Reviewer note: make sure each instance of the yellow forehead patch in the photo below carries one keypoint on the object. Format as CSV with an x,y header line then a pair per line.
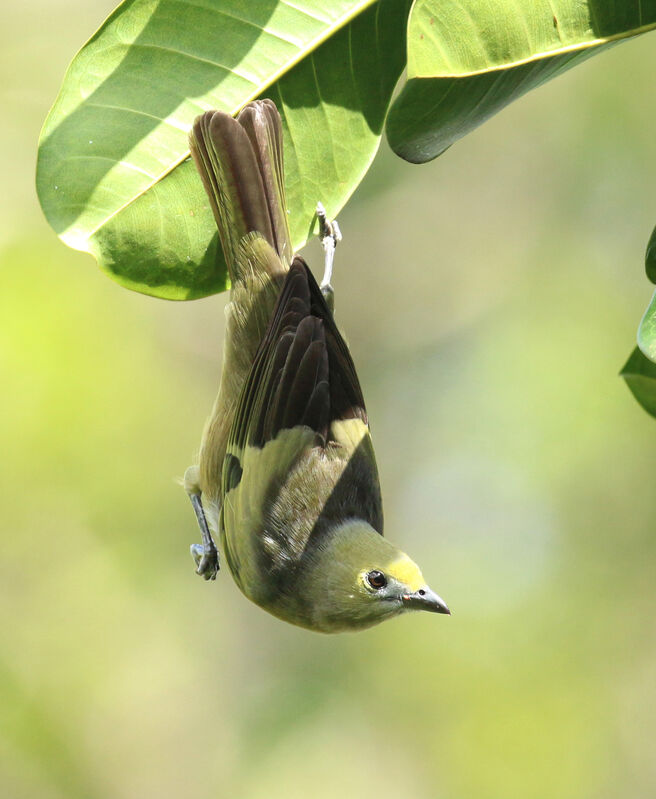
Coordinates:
x,y
407,572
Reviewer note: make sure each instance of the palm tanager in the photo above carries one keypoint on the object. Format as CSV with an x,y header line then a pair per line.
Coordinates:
x,y
286,473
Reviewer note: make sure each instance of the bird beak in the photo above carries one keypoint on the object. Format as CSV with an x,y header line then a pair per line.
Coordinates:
x,y
425,599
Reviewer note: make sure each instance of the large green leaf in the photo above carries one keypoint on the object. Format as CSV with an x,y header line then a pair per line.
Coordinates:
x,y
114,176
640,375
467,59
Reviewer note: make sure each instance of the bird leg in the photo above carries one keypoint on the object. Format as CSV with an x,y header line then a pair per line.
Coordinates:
x,y
205,555
330,234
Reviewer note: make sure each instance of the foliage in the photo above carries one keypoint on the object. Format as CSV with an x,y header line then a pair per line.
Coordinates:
x,y
114,175
640,375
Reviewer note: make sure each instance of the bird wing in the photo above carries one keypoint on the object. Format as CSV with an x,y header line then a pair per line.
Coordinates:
x,y
303,373
301,406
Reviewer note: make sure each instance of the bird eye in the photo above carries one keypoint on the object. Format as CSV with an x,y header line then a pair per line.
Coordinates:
x,y
376,579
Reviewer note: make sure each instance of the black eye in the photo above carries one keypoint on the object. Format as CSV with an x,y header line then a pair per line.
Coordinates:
x,y
376,579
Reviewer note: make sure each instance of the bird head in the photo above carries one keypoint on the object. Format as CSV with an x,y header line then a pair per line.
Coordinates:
x,y
358,579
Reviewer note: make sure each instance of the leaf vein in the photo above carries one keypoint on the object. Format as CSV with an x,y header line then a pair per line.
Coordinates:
x,y
193,57
263,28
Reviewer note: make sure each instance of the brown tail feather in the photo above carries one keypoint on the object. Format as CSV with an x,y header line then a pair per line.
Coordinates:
x,y
240,162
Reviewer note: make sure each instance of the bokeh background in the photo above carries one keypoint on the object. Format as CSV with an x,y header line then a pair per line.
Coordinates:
x,y
490,299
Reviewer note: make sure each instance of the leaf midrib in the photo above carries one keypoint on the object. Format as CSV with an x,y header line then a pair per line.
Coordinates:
x,y
542,55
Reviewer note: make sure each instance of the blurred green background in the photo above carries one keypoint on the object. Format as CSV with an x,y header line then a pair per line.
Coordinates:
x,y
490,299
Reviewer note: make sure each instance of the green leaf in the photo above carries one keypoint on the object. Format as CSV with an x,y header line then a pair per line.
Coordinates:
x,y
640,375
114,176
467,59
650,257
647,331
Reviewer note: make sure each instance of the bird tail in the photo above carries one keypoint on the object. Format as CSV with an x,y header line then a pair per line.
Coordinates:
x,y
240,162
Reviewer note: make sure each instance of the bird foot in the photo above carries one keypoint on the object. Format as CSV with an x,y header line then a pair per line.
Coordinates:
x,y
329,234
206,560
205,555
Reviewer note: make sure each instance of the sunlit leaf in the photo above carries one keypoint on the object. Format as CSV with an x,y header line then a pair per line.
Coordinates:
x,y
114,177
467,59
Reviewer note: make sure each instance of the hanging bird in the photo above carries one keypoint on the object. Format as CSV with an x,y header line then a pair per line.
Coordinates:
x,y
286,474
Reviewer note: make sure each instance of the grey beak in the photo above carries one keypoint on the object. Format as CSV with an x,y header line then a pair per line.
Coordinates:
x,y
425,599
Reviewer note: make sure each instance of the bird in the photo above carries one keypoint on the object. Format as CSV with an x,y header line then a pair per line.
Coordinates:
x,y
286,474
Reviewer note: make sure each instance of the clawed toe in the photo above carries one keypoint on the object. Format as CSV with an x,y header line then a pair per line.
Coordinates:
x,y
207,561
329,235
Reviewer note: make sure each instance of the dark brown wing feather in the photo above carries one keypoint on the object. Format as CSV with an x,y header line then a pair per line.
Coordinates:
x,y
302,376
303,373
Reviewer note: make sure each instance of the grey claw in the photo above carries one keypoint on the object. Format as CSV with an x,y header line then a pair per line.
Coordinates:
x,y
329,235
207,563
327,229
197,552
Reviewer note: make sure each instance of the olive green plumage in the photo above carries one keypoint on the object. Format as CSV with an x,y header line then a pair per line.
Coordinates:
x,y
286,474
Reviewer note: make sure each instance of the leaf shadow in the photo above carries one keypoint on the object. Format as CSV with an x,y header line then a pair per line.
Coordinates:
x,y
151,81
